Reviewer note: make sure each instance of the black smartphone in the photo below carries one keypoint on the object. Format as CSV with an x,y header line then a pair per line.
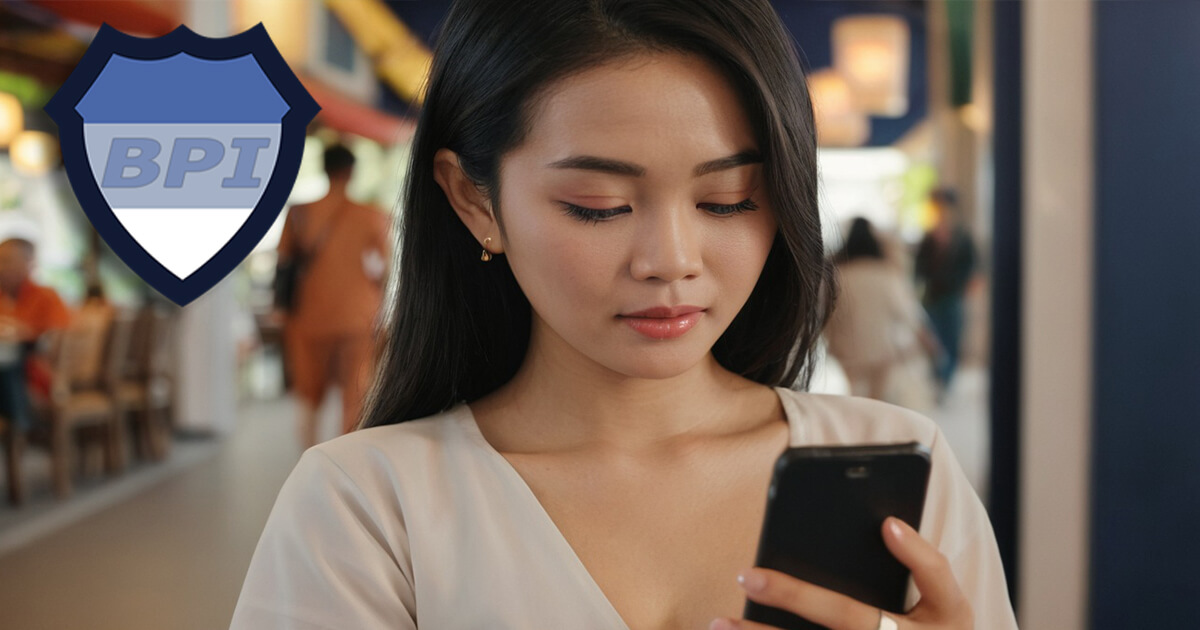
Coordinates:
x,y
824,522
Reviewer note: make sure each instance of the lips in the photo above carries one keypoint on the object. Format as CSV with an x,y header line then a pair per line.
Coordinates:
x,y
664,312
663,322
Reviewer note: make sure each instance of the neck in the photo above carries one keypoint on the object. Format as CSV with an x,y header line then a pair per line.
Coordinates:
x,y
337,190
561,400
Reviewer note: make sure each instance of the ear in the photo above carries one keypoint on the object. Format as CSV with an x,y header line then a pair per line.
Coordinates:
x,y
471,205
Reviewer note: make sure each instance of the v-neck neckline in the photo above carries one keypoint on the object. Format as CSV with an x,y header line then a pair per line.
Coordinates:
x,y
552,534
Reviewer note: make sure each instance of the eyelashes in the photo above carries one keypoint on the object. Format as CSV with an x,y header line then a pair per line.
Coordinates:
x,y
594,215
745,205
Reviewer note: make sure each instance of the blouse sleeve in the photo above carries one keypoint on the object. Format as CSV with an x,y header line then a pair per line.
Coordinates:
x,y
957,523
326,560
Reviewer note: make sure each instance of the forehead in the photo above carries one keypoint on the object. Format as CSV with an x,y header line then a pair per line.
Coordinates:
x,y
654,107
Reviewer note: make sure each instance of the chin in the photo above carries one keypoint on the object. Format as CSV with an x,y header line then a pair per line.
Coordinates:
x,y
656,363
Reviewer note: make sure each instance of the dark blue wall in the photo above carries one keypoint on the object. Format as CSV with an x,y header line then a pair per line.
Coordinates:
x,y
1004,403
1146,450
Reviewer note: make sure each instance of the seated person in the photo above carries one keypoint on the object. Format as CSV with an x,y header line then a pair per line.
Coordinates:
x,y
27,312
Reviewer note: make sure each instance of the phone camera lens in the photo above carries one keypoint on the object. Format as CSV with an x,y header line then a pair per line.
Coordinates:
x,y
858,472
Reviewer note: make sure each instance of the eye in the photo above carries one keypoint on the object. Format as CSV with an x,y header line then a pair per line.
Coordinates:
x,y
593,215
745,205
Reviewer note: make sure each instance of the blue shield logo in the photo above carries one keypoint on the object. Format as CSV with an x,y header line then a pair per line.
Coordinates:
x,y
182,149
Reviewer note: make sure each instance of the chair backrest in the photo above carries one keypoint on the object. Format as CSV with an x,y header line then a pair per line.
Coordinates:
x,y
159,360
157,352
84,347
120,340
140,341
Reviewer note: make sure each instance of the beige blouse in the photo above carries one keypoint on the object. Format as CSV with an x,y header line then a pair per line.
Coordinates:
x,y
424,524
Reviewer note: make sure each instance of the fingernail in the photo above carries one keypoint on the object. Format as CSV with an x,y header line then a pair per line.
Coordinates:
x,y
722,624
752,580
894,526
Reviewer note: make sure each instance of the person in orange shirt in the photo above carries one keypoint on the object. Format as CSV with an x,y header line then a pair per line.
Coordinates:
x,y
27,312
329,329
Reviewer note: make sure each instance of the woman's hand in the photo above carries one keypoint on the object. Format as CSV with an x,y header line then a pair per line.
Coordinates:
x,y
943,605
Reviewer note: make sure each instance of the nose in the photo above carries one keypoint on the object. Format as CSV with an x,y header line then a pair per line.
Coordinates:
x,y
667,246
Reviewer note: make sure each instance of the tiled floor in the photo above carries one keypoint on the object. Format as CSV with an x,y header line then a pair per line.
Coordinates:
x,y
170,558
169,551
43,513
963,418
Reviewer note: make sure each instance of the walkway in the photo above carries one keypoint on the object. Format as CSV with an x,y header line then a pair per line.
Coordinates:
x,y
170,558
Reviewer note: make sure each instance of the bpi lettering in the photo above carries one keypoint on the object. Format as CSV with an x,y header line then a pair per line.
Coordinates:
x,y
188,155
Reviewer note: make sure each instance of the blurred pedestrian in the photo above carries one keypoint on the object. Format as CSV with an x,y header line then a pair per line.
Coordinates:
x,y
878,330
339,247
946,261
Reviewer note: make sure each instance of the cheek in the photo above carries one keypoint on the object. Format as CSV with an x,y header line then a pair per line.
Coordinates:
x,y
558,265
739,254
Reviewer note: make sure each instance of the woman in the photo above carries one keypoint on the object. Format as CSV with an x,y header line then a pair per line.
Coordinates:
x,y
612,270
878,328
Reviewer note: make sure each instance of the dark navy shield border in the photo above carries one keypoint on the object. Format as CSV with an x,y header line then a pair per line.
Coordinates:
x,y
302,109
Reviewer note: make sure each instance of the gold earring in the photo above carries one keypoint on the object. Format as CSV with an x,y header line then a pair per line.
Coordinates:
x,y
486,255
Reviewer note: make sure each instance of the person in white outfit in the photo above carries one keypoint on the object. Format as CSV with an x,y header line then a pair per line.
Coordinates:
x,y
878,330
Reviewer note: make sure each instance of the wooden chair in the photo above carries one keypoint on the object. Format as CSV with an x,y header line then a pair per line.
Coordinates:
x,y
80,403
116,366
14,447
142,380
12,438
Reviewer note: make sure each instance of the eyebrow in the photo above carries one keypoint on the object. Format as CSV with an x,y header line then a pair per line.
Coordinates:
x,y
628,169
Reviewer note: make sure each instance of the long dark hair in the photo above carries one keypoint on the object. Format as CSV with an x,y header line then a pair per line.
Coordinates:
x,y
459,328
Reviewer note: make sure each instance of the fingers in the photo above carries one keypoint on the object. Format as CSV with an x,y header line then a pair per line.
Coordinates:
x,y
930,570
942,601
818,605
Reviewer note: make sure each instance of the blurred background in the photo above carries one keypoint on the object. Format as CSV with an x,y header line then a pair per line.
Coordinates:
x,y
1008,188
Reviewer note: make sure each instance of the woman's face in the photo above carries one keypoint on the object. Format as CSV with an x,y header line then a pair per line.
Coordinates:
x,y
635,215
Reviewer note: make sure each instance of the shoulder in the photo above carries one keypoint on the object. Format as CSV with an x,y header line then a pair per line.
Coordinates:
x,y
397,460
46,296
367,217
421,476
45,292
954,519
833,419
297,210
384,468
383,480
368,211
393,444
